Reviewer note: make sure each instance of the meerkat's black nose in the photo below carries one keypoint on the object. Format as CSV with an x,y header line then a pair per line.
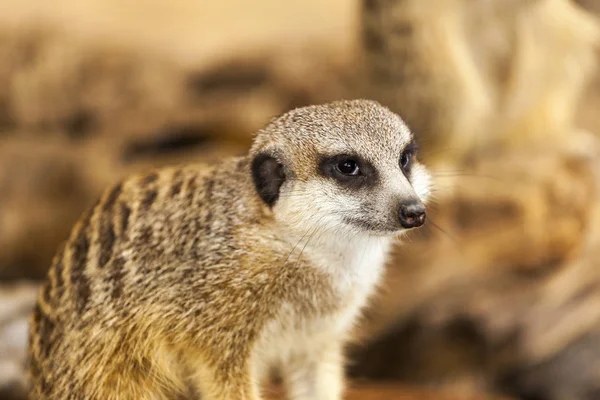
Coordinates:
x,y
412,215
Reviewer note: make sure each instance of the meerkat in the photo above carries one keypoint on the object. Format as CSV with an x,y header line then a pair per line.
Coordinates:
x,y
196,281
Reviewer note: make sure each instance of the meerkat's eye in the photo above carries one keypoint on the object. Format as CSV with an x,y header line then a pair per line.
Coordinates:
x,y
348,170
407,157
348,167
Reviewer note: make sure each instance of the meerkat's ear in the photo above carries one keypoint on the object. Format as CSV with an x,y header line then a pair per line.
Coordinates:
x,y
268,176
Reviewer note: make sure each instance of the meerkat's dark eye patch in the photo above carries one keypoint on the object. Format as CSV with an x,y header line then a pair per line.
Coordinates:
x,y
268,176
349,170
407,157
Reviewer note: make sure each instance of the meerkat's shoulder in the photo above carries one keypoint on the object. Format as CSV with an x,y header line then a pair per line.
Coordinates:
x,y
136,207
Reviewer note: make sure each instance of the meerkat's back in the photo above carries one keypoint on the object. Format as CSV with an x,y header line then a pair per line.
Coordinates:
x,y
114,282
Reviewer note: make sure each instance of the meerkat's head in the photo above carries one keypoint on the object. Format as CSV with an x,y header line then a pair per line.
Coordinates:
x,y
346,166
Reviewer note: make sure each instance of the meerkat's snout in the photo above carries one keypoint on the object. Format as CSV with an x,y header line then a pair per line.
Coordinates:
x,y
412,214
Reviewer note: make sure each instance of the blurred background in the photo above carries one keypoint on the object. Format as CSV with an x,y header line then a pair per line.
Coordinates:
x,y
498,295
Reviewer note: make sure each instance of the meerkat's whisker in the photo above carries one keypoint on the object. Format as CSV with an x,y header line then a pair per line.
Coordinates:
x,y
443,231
467,175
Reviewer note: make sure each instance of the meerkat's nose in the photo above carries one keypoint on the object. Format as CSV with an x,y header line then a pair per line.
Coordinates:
x,y
412,214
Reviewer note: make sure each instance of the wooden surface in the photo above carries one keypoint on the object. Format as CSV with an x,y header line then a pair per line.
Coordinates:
x,y
399,392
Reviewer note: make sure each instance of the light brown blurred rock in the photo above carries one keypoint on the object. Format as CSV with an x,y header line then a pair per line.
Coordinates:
x,y
76,86
474,75
592,5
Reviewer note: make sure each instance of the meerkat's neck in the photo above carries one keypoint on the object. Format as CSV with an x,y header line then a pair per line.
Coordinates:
x,y
352,261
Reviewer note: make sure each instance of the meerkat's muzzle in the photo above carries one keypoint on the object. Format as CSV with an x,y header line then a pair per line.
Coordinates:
x,y
412,214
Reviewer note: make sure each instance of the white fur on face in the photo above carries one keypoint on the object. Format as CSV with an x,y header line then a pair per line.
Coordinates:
x,y
321,205
314,205
421,182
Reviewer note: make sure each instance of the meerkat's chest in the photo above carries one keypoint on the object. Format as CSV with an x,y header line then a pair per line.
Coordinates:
x,y
355,266
354,271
